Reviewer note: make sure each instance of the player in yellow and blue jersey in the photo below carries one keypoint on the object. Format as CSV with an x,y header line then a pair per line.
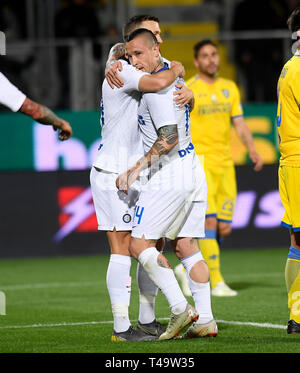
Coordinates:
x,y
217,105
288,122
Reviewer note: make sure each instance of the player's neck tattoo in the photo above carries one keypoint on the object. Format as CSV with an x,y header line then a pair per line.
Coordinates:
x,y
160,64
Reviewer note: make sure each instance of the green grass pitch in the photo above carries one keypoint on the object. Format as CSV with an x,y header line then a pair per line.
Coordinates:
x,y
62,305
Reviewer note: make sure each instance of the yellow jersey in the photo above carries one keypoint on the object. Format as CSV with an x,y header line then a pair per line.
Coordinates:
x,y
215,105
288,112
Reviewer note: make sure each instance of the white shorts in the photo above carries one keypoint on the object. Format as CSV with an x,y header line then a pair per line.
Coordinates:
x,y
114,209
173,202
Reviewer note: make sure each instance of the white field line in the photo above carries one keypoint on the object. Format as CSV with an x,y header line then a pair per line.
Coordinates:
x,y
259,325
87,323
50,285
92,283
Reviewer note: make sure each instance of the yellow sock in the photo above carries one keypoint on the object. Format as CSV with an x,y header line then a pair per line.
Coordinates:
x,y
292,278
211,253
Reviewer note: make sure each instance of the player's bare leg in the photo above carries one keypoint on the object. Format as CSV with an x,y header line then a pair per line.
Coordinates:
x,y
147,322
211,252
197,274
119,242
161,273
118,282
119,287
292,278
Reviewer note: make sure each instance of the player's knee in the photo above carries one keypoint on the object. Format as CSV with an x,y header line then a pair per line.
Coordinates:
x,y
199,272
184,247
177,247
196,268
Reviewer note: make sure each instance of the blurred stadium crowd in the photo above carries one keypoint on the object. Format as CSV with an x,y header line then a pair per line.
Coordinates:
x,y
56,49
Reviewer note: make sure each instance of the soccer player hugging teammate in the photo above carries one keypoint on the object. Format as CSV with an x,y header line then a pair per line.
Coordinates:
x,y
182,95
121,146
123,114
288,121
172,202
217,104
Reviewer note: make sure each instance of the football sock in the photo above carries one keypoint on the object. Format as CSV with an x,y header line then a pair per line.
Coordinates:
x,y
118,282
292,279
200,291
147,292
211,252
164,278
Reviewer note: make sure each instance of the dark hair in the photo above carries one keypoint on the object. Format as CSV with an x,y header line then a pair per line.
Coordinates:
x,y
202,44
135,23
293,21
141,31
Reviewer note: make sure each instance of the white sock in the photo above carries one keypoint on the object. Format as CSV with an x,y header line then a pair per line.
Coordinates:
x,y
148,292
200,291
164,278
118,282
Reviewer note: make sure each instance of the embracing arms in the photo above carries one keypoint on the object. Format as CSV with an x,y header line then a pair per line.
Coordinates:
x,y
149,83
167,139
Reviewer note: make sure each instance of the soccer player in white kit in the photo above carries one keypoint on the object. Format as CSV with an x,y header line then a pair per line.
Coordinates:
x,y
147,289
16,100
172,203
120,147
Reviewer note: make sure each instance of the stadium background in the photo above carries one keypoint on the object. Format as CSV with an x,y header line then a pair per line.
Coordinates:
x,y
46,205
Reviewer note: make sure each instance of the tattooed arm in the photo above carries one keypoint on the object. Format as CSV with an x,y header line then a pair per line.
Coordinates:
x,y
113,65
166,141
44,115
116,52
245,135
148,83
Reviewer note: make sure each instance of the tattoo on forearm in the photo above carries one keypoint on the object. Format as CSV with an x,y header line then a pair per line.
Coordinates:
x,y
109,64
40,113
116,52
167,138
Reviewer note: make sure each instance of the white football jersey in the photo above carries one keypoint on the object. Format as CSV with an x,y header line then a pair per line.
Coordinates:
x,y
121,143
10,95
157,110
